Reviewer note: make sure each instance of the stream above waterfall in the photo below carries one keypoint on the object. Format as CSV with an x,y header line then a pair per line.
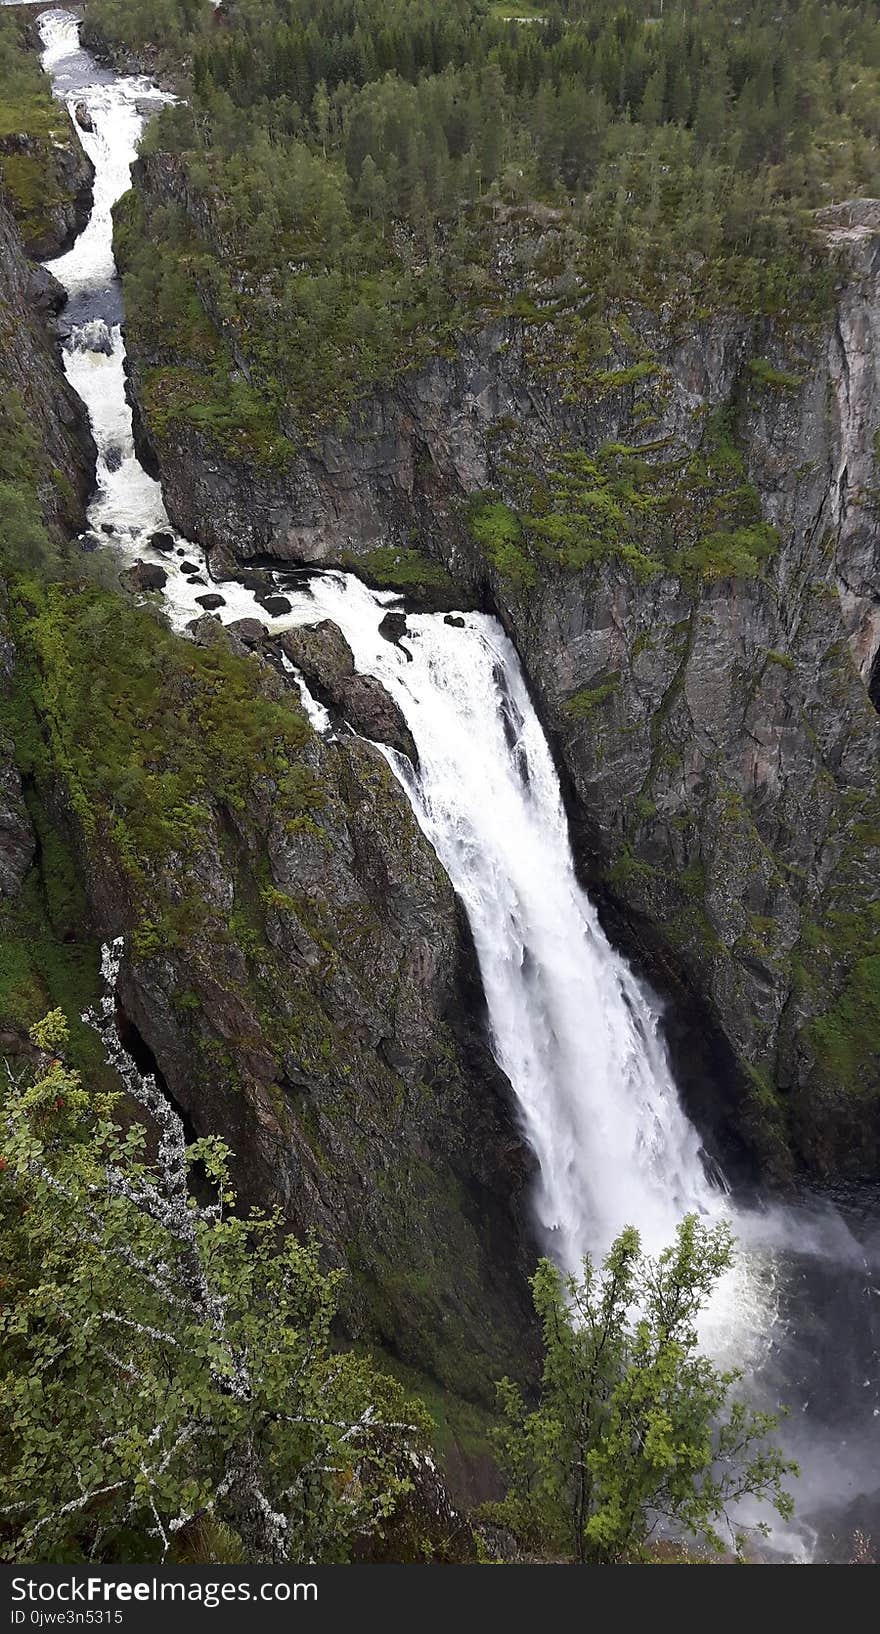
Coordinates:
x,y
579,1037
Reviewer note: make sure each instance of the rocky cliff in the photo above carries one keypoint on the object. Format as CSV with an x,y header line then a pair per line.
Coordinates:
x,y
45,176
48,188
296,965
681,536
47,462
43,430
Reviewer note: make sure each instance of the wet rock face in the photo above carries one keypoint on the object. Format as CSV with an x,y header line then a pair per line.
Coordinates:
x,y
323,655
16,835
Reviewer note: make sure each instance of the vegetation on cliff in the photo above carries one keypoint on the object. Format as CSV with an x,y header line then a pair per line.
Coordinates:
x,y
650,506
169,1387
602,228
38,151
355,182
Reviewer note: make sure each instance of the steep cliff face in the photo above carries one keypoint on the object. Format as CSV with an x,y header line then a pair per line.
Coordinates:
x,y
16,834
682,539
48,188
45,436
295,964
47,462
45,177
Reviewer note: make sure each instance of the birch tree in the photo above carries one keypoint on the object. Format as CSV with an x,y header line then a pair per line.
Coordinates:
x,y
165,1361
636,1434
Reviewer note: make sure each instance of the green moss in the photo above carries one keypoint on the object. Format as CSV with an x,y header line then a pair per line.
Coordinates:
x,y
34,495
783,659
49,955
498,531
627,870
737,554
605,380
392,569
227,410
838,963
581,705
766,373
146,733
460,1426
693,514
847,1037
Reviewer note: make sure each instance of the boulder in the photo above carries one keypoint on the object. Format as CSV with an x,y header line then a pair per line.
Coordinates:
x,y
162,541
146,576
189,567
248,630
205,629
83,117
274,605
392,627
211,601
322,654
225,566
44,291
371,710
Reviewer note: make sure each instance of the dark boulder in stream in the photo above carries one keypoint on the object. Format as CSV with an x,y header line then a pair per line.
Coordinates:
x,y
146,576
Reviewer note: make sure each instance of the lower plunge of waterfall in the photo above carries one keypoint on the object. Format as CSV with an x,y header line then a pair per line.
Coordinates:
x,y
578,1036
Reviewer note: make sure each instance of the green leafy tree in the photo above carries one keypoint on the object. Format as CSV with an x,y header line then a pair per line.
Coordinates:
x,y
635,1430
166,1363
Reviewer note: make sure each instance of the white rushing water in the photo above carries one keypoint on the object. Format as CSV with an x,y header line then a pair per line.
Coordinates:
x,y
578,1037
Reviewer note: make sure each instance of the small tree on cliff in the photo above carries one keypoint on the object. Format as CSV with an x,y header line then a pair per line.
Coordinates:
x,y
164,1361
634,1429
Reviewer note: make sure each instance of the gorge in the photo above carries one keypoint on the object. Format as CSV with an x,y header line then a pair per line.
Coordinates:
x,y
481,774
576,1034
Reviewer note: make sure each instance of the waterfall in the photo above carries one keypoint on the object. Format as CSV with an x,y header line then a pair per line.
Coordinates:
x,y
578,1037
